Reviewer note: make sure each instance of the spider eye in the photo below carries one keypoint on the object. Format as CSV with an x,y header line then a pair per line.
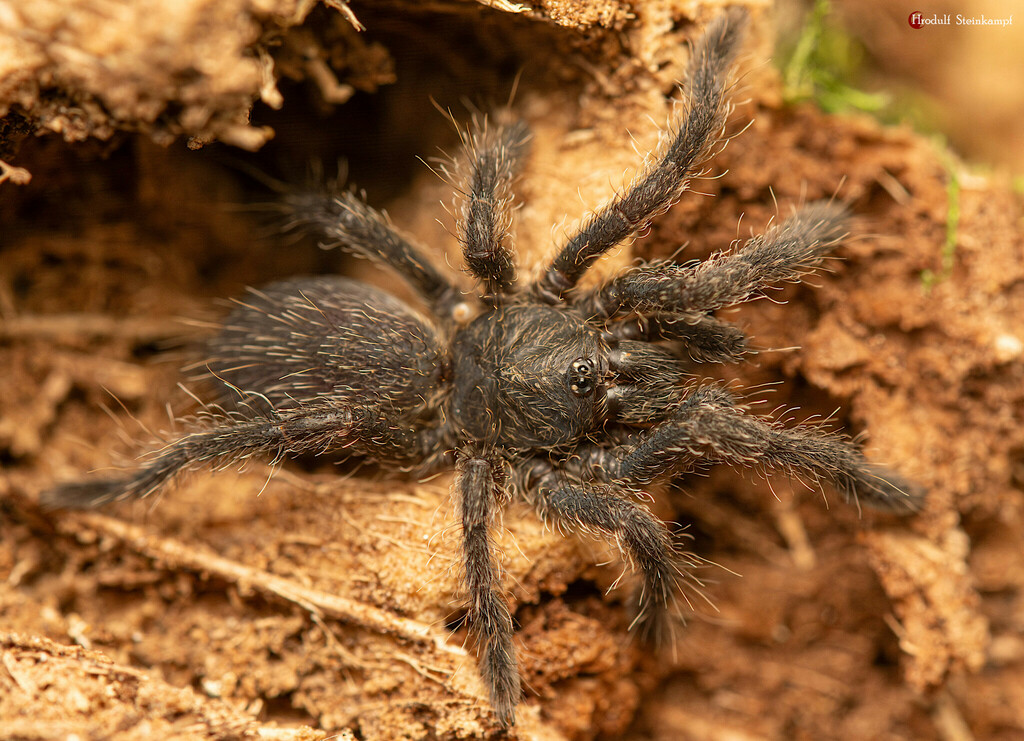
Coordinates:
x,y
580,377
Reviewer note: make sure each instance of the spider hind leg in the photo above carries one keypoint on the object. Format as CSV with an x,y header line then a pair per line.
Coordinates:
x,y
232,438
493,153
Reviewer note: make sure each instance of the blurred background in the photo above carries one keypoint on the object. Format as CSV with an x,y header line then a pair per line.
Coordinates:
x,y
962,82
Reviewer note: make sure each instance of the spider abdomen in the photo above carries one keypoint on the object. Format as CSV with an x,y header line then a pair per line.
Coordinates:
x,y
303,338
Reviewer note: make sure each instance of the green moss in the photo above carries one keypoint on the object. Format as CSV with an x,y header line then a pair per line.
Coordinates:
x,y
821,64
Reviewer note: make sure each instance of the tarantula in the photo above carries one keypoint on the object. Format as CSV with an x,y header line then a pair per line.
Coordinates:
x,y
570,398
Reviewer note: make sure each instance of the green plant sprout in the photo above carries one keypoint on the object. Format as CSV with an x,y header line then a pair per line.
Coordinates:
x,y
822,61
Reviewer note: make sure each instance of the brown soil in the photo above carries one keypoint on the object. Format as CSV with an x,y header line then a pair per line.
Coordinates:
x,y
321,601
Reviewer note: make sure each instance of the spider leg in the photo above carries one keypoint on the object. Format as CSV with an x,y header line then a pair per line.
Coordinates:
x,y
232,438
347,221
489,618
707,426
783,253
644,539
692,142
493,154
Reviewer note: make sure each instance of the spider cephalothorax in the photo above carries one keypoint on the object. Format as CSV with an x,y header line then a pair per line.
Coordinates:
x,y
568,398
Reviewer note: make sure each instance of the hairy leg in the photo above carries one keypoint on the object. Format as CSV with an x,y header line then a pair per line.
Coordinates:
x,y
692,142
707,426
347,221
489,617
493,154
225,439
644,540
783,253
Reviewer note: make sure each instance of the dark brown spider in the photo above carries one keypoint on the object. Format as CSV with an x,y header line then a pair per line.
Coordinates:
x,y
572,399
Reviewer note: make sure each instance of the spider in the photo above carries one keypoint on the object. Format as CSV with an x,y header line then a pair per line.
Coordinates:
x,y
571,399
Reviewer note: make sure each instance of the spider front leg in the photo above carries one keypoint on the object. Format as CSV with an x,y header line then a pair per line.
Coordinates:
x,y
232,438
785,252
644,540
690,144
709,427
478,490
